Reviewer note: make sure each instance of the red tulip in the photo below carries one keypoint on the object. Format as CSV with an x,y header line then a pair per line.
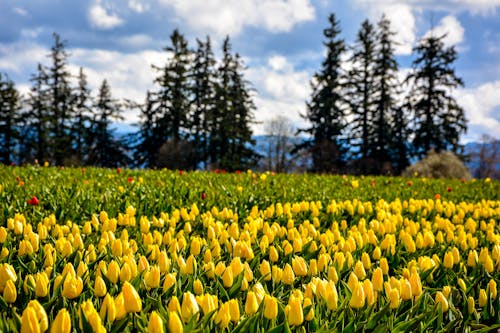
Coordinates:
x,y
118,170
130,179
203,196
449,189
33,201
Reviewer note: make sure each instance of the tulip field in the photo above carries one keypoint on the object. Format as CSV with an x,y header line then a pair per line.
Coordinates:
x,y
101,250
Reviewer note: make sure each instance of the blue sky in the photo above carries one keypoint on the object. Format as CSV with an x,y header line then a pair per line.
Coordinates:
x,y
280,41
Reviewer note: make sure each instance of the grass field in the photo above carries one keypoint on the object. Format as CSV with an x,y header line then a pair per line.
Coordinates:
x,y
133,250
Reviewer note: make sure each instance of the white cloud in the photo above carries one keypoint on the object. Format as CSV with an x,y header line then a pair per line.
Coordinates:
x,y
137,6
136,41
281,90
450,27
21,57
20,11
482,108
223,17
100,18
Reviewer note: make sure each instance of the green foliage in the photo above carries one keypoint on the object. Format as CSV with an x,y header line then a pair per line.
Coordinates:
x,y
439,165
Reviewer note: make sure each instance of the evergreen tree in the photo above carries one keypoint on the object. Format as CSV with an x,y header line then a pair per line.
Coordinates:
x,y
229,124
386,87
146,146
361,96
106,150
9,116
61,103
439,120
35,139
81,131
326,110
203,99
171,103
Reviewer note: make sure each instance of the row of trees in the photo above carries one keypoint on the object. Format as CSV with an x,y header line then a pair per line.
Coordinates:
x,y
360,119
200,111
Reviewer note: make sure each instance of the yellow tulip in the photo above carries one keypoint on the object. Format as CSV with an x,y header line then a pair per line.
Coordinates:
x,y
471,304
461,284
155,323
492,288
227,277
293,311
358,297
368,289
10,292
416,284
100,288
223,316
125,272
152,277
234,310
270,307
310,313
108,309
448,260
299,266
483,298
7,272
288,276
197,287
174,322
113,272
394,298
62,322
378,279
352,282
121,311
365,259
265,270
442,301
133,302
170,280
406,290
72,286
189,306
34,318
29,321
273,254
251,304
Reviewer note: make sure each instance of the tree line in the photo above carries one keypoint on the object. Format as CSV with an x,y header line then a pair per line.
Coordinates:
x,y
200,111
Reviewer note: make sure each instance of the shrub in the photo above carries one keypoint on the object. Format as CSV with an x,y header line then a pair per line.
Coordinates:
x,y
439,165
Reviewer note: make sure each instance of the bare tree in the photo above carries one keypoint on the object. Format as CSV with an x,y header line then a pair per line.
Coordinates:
x,y
279,143
487,158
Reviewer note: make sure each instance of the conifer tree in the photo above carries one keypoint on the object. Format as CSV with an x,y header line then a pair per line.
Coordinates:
x,y
386,87
9,117
361,96
438,119
146,146
81,131
107,151
203,99
327,108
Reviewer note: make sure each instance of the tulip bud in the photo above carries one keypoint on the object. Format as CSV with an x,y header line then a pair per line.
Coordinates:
x,y
441,301
108,309
352,281
472,258
234,310
358,297
310,313
227,277
406,291
273,254
10,292
293,312
174,305
133,302
223,316
100,288
113,272
152,277
299,266
62,322
42,285
483,298
155,323
471,304
288,276
170,280
492,288
7,273
378,279
72,286
448,260
251,304
384,265
174,322
416,284
189,306
265,270
270,307
197,287
461,284
394,298
368,289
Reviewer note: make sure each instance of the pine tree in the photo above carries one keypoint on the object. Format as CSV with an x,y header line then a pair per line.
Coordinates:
x,y
439,120
61,103
146,146
203,99
361,96
107,151
327,108
81,132
35,137
229,123
386,87
171,104
9,116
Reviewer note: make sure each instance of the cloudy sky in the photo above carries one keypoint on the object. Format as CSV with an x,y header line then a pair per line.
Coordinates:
x,y
280,41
